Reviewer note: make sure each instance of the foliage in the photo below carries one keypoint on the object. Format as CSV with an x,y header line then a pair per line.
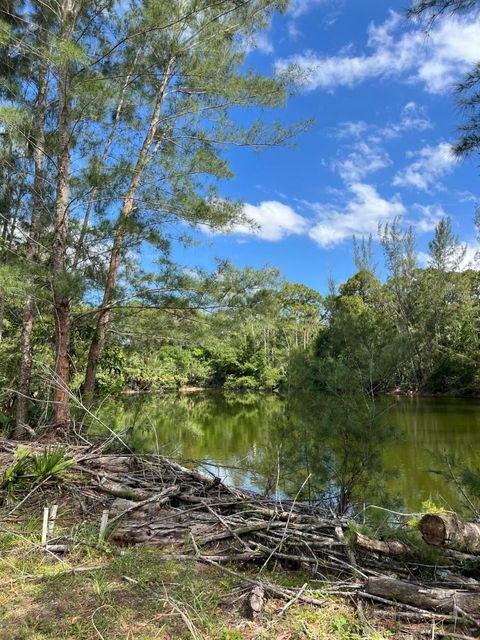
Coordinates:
x,y
164,84
51,462
16,470
30,469
428,506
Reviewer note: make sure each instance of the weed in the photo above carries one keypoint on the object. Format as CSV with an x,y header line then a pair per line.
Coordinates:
x,y
28,470
16,471
50,463
427,507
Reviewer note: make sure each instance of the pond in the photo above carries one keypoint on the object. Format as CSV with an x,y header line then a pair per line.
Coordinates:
x,y
392,449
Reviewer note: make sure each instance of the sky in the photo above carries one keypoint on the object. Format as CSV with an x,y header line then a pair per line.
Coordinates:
x,y
381,93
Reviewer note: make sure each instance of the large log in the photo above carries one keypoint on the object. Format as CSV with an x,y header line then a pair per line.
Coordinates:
x,y
446,601
446,530
386,547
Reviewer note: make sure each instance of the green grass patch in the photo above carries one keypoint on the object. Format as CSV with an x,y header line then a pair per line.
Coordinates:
x,y
143,595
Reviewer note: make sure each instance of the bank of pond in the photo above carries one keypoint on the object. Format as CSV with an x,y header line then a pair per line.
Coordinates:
x,y
392,451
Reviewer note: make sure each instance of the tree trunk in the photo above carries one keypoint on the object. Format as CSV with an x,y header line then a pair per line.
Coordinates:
x,y
445,530
2,315
59,253
26,355
104,156
127,208
439,600
6,216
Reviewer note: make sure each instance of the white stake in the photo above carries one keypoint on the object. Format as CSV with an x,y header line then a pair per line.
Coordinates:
x,y
45,525
51,521
103,525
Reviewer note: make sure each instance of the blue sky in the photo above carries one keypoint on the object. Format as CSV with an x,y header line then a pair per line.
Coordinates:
x,y
381,95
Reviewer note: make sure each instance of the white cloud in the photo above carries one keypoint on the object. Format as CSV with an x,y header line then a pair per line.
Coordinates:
x,y
361,161
436,61
298,8
430,216
263,43
430,164
348,130
468,196
270,220
469,259
293,31
360,216
413,117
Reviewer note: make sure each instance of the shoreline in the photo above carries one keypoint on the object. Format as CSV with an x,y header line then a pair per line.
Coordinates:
x,y
190,517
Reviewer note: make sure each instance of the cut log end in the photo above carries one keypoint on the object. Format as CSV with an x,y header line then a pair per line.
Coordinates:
x,y
446,530
256,602
434,529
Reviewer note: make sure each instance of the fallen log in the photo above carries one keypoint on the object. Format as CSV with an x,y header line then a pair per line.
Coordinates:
x,y
449,601
446,530
123,491
387,547
123,507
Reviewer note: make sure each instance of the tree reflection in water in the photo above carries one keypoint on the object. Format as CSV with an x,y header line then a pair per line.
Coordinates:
x,y
330,446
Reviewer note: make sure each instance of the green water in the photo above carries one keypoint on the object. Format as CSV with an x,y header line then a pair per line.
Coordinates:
x,y
271,443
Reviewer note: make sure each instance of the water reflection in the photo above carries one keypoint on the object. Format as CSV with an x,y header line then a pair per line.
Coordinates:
x,y
345,449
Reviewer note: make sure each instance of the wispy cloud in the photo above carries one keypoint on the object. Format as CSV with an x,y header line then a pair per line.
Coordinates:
x,y
298,8
361,215
429,164
430,216
437,62
363,160
413,117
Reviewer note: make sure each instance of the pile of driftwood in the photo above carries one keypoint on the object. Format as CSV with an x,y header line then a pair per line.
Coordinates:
x,y
153,500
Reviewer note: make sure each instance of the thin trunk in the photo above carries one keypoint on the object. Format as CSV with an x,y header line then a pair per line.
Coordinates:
x,y
126,210
26,355
106,149
59,253
2,315
6,218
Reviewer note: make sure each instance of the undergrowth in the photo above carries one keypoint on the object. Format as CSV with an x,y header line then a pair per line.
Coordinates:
x,y
143,595
30,469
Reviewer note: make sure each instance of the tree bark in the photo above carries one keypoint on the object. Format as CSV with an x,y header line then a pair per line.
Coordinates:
x,y
104,156
26,355
59,254
439,600
8,221
445,530
115,255
386,547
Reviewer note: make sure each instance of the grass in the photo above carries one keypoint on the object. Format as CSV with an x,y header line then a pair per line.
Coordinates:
x,y
164,599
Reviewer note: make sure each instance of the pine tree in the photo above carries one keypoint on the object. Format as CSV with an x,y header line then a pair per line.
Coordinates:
x,y
33,229
445,249
196,82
